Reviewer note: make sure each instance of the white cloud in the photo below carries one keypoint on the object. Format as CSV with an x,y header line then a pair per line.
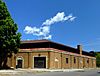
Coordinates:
x,y
58,18
48,37
46,29
43,32
30,30
70,17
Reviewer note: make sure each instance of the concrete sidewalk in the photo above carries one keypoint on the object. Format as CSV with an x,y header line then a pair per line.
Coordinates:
x,y
40,70
51,70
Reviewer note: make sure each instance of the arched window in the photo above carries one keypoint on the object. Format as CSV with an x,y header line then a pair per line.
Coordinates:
x,y
19,62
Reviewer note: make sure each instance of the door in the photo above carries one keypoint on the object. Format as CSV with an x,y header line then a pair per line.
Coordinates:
x,y
19,63
39,62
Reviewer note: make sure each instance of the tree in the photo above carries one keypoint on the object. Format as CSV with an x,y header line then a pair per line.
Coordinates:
x,y
92,53
9,37
97,55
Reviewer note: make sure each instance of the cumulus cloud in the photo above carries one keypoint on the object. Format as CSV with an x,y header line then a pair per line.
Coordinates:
x,y
48,37
58,18
43,32
31,30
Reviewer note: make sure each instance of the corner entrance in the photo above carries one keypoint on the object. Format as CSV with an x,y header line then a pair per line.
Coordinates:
x,y
39,62
19,62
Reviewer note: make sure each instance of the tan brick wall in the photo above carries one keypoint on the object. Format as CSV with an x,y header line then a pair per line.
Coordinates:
x,y
90,63
64,64
80,61
72,64
94,63
29,58
75,65
25,59
86,63
51,60
58,63
71,61
54,60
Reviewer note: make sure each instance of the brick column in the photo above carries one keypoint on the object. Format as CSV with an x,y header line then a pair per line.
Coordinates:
x,y
30,60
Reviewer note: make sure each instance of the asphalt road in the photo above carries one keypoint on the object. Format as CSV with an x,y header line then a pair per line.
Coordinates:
x,y
80,73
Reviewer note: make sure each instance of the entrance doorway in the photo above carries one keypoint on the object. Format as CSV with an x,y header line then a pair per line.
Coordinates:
x,y
39,62
19,62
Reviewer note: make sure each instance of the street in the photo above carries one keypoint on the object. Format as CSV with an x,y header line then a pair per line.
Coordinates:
x,y
19,72
80,73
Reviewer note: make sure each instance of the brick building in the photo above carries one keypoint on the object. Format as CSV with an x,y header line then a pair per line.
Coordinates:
x,y
51,55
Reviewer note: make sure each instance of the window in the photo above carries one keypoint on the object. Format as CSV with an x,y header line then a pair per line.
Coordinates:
x,y
87,61
67,60
74,60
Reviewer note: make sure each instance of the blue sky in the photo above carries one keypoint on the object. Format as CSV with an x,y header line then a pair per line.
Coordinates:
x,y
84,28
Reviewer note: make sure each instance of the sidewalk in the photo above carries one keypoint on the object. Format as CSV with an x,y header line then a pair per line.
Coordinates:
x,y
51,70
39,70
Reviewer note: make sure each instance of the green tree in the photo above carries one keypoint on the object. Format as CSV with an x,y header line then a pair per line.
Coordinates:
x,y
97,55
9,37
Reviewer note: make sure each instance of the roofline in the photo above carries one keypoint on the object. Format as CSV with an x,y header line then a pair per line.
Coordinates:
x,y
45,40
34,41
